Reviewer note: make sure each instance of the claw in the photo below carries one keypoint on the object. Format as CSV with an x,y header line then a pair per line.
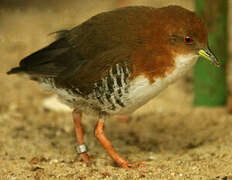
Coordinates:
x,y
126,164
84,156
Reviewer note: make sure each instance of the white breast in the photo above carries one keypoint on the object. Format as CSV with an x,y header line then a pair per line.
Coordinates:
x,y
141,91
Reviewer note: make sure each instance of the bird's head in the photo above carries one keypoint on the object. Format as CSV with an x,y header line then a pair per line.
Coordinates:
x,y
172,38
186,33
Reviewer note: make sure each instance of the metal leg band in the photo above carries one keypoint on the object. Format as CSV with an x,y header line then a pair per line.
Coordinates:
x,y
81,148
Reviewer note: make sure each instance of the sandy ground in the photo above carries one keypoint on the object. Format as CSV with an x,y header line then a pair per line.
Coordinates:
x,y
171,138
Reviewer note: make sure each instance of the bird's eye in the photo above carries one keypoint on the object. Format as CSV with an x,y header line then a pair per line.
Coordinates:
x,y
188,40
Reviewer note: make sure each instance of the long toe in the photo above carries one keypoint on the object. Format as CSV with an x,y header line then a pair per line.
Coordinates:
x,y
135,165
84,156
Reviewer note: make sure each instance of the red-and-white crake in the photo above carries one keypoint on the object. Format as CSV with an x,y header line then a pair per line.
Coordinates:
x,y
117,61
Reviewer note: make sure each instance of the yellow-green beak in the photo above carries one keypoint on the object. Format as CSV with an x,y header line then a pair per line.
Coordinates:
x,y
207,54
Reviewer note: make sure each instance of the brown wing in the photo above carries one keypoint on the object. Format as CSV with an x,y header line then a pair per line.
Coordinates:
x,y
84,54
88,72
49,61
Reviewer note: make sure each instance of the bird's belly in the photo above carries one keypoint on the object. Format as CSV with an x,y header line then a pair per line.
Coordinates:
x,y
141,91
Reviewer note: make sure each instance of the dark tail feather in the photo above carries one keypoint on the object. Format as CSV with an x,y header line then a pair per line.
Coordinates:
x,y
60,34
15,70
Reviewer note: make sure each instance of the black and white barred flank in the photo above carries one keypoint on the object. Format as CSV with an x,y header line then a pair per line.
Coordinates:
x,y
109,93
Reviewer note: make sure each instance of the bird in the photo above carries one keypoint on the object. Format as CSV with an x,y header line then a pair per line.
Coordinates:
x,y
116,61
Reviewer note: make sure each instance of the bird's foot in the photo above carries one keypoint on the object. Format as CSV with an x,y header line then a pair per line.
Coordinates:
x,y
84,156
126,164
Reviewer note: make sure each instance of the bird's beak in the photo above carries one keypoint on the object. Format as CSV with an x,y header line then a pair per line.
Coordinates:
x,y
207,54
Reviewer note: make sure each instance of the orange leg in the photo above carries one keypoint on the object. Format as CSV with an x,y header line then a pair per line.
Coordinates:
x,y
99,133
81,148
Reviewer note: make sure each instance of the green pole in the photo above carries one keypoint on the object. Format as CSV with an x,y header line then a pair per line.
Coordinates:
x,y
210,81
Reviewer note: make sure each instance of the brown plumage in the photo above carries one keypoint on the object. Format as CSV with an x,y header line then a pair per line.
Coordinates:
x,y
112,37
118,60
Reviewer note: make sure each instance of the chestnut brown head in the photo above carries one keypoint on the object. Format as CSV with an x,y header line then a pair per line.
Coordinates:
x,y
182,32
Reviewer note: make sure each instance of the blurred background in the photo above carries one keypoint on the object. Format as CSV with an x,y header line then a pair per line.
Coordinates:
x,y
24,121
